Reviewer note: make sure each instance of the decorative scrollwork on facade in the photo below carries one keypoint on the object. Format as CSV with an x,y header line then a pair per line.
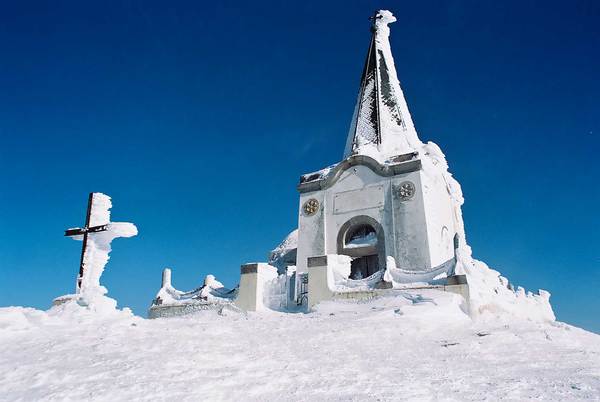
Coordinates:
x,y
311,207
405,190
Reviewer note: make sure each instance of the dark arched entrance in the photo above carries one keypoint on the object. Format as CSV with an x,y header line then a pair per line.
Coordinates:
x,y
362,238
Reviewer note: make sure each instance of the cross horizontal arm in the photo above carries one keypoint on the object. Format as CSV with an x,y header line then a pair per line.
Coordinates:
x,y
99,228
74,232
82,231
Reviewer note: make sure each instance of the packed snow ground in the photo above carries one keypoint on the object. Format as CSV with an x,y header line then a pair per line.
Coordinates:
x,y
419,346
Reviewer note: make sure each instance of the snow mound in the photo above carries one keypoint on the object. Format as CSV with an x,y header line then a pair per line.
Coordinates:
x,y
418,345
427,308
490,293
493,296
98,307
20,318
16,319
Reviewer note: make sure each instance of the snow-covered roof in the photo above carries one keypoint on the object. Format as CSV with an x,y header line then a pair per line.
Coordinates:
x,y
381,126
285,253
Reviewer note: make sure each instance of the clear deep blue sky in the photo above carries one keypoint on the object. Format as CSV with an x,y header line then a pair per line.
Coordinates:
x,y
199,118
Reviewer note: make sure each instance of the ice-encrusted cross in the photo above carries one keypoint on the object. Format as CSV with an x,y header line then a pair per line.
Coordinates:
x,y
97,234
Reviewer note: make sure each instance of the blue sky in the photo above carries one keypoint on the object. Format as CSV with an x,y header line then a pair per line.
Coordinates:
x,y
198,119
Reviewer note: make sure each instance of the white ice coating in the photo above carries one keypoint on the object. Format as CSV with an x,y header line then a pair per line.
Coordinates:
x,y
98,248
398,134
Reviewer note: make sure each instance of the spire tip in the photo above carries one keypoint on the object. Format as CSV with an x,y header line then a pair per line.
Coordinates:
x,y
382,17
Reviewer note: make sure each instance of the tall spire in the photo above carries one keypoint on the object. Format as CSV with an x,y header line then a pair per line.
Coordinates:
x,y
381,125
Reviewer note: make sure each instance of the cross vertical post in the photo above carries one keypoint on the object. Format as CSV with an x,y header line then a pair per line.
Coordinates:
x,y
85,231
85,238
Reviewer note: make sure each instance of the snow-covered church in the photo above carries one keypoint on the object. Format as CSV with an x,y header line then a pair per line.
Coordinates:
x,y
386,218
381,200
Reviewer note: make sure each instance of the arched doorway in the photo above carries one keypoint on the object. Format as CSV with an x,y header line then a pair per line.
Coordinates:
x,y
362,239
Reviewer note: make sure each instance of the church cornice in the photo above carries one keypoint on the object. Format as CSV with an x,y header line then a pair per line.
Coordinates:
x,y
326,178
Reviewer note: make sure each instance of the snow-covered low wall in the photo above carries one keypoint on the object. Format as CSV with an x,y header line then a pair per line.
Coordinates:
x,y
328,279
174,310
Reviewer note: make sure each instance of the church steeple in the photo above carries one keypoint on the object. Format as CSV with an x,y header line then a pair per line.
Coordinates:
x,y
381,125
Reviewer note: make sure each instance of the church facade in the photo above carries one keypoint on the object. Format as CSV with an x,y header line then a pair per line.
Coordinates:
x,y
369,210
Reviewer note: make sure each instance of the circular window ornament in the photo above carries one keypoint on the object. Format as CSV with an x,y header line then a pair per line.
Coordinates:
x,y
406,190
311,207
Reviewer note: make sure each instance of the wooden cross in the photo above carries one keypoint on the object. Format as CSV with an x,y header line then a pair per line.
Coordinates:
x,y
85,231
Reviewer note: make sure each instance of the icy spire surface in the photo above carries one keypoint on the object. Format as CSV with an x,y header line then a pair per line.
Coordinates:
x,y
381,125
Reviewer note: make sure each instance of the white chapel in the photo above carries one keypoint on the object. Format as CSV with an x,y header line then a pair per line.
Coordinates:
x,y
385,217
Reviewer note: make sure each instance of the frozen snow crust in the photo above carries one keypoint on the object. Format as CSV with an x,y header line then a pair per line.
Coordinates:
x,y
414,346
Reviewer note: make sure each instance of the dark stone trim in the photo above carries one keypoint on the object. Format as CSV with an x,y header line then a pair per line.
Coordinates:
x,y
382,170
317,261
249,268
457,280
362,251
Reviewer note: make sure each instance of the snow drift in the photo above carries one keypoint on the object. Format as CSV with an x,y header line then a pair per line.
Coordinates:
x,y
414,346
